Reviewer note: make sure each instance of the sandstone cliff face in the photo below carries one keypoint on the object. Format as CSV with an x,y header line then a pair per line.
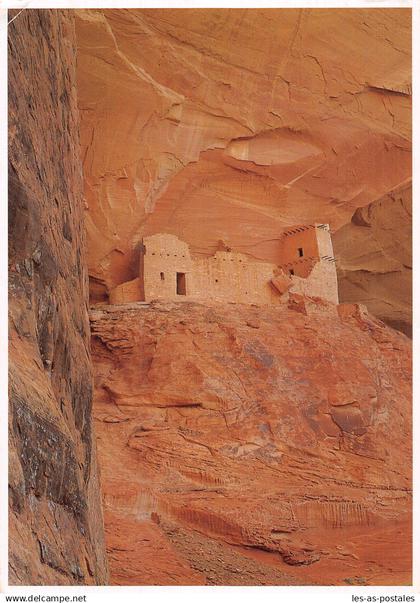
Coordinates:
x,y
238,444
233,124
375,258
56,526
253,445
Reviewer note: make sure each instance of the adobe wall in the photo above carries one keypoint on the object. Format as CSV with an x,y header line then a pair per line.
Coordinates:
x,y
304,237
324,241
166,254
226,276
230,276
315,272
126,292
321,282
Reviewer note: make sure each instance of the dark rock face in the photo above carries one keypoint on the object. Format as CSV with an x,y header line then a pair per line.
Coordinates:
x,y
56,533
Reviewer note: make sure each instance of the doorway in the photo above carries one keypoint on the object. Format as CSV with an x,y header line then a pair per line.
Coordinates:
x,y
181,283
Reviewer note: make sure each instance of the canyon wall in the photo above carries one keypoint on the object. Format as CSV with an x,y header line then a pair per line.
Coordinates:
x,y
375,251
253,445
238,444
55,518
234,124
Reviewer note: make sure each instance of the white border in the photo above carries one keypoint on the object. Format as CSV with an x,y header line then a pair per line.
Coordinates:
x,y
3,304
208,3
184,594
416,294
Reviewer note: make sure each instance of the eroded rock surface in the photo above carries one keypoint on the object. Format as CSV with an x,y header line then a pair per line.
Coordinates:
x,y
234,124
56,525
253,445
375,258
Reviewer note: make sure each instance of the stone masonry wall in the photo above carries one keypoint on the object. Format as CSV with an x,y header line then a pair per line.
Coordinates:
x,y
226,276
229,276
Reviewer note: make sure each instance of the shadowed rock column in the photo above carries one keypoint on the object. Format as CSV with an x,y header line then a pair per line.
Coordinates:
x,y
56,526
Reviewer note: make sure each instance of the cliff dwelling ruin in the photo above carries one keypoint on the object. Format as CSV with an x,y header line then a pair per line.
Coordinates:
x,y
167,271
244,429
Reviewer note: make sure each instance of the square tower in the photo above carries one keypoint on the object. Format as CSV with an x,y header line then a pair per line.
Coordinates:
x,y
307,253
165,268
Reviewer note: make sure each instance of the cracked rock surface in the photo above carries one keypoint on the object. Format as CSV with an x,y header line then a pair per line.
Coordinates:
x,y
55,513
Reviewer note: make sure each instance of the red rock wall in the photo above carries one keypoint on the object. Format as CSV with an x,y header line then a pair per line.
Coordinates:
x,y
266,429
234,124
56,526
282,431
375,258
